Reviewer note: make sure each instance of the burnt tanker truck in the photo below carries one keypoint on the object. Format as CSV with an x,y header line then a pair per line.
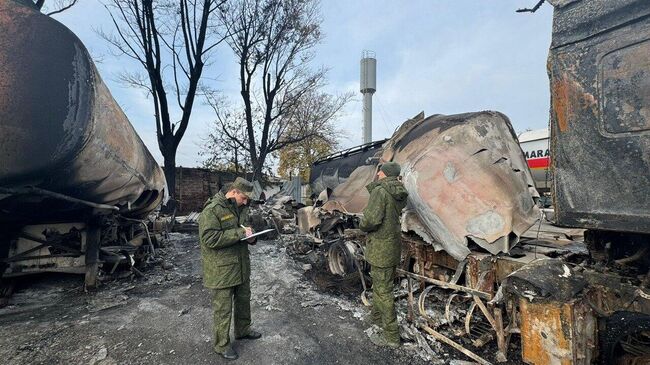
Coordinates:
x,y
75,178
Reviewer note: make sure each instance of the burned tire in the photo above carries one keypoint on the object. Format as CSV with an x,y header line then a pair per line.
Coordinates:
x,y
92,255
6,291
619,327
341,257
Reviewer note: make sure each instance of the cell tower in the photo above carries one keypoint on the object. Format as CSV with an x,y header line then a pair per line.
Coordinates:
x,y
368,87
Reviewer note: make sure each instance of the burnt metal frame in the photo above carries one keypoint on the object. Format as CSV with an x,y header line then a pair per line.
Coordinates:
x,y
43,243
495,318
52,194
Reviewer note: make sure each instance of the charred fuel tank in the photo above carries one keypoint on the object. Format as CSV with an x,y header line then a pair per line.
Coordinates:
x,y
599,70
332,170
467,180
61,131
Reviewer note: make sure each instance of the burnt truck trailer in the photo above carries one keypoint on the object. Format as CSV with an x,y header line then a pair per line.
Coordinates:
x,y
75,178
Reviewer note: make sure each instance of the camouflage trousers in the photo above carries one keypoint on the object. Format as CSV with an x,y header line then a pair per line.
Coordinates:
x,y
223,302
383,303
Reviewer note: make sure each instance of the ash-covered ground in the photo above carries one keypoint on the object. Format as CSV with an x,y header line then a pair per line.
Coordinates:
x,y
165,317
306,316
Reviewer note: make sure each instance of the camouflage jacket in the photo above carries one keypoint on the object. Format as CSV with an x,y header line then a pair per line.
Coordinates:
x,y
381,219
225,258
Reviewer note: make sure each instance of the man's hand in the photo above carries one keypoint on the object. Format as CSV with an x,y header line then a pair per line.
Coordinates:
x,y
249,232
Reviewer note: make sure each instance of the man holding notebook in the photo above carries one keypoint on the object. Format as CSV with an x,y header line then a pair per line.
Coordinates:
x,y
226,263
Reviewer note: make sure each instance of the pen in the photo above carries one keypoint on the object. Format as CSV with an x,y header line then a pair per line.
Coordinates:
x,y
241,225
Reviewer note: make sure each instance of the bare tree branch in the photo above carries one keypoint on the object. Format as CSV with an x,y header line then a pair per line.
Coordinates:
x,y
225,147
533,9
53,7
63,8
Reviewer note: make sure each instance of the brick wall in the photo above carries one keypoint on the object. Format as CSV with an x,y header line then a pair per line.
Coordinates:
x,y
195,185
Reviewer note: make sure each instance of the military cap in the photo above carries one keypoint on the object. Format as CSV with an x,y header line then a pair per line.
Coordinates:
x,y
390,168
243,185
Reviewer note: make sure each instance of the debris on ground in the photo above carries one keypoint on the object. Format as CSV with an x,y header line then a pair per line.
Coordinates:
x,y
345,291
51,319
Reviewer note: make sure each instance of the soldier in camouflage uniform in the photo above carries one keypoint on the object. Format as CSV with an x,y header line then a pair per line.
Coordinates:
x,y
381,219
226,263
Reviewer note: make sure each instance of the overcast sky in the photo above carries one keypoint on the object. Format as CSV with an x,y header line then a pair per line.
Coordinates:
x,y
436,56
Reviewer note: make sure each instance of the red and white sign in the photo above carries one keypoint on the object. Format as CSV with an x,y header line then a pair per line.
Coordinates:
x,y
536,147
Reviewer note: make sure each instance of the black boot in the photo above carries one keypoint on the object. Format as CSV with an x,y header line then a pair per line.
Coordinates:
x,y
230,354
252,335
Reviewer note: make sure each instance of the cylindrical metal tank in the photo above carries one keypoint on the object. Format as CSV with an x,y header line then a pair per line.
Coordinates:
x,y
60,128
332,170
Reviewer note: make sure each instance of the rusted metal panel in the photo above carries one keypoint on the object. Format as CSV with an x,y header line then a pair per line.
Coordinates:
x,y
481,273
60,128
557,333
611,293
434,264
506,265
426,254
599,72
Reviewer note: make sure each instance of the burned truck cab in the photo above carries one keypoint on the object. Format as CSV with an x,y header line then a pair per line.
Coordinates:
x,y
599,70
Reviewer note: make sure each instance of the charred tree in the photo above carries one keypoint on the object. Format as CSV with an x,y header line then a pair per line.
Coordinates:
x,y
273,42
172,41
